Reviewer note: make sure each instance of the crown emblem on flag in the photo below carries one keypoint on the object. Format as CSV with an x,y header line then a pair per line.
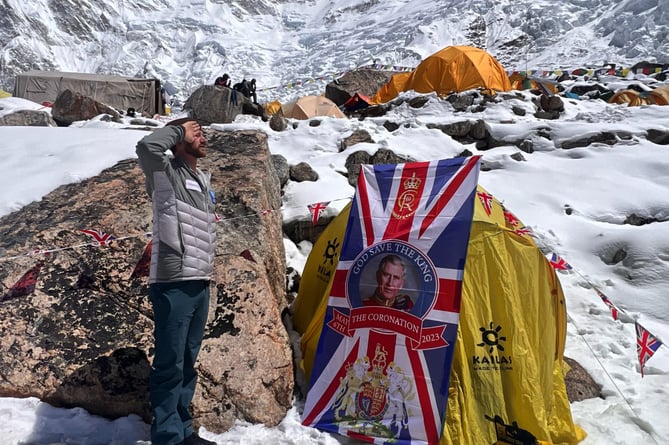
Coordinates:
x,y
379,360
412,183
407,200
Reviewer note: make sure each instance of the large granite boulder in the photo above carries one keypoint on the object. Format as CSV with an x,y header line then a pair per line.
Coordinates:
x,y
71,106
363,81
217,104
75,320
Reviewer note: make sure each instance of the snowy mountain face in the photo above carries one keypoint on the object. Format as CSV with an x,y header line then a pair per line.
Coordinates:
x,y
190,42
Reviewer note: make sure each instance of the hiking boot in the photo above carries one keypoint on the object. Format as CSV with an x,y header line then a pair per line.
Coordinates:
x,y
194,439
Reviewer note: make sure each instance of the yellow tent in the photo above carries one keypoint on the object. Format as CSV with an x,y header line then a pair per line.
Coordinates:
x,y
453,69
311,106
4,94
508,355
272,107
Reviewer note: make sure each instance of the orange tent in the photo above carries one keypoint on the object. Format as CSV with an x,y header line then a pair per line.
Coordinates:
x,y
392,89
453,69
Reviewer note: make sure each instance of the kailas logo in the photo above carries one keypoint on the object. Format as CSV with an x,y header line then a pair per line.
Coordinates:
x,y
491,338
493,343
329,257
331,251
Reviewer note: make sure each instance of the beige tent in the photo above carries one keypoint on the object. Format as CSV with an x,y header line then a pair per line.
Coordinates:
x,y
310,106
116,91
4,94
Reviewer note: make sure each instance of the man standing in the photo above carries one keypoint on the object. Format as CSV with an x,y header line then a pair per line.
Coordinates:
x,y
390,279
182,257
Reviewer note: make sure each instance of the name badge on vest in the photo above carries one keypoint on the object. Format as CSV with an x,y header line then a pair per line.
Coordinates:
x,y
193,185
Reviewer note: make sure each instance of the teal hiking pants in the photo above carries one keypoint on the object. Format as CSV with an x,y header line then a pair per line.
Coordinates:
x,y
180,315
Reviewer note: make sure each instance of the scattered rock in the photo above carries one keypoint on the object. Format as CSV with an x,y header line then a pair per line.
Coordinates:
x,y
357,137
28,118
303,172
580,385
363,81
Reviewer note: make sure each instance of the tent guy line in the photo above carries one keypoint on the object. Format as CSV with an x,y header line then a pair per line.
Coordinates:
x,y
611,379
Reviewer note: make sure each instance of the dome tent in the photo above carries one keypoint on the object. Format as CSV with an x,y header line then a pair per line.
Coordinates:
x,y
453,69
658,96
311,106
624,96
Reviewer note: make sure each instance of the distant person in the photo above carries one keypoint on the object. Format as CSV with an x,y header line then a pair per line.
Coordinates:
x,y
243,87
252,91
223,81
390,277
182,262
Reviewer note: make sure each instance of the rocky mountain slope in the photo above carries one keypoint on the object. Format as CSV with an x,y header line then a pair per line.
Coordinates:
x,y
190,42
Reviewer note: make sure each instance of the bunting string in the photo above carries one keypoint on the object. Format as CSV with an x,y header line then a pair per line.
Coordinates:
x,y
102,239
647,343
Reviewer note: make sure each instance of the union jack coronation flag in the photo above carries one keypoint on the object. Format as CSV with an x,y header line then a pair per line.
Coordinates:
x,y
646,345
383,360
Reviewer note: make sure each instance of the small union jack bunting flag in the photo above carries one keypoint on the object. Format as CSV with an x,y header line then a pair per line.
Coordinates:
x,y
316,210
486,200
605,299
646,345
101,238
511,219
524,231
559,263
143,266
25,285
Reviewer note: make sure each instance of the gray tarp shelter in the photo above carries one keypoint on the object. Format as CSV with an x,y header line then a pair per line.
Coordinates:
x,y
116,91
